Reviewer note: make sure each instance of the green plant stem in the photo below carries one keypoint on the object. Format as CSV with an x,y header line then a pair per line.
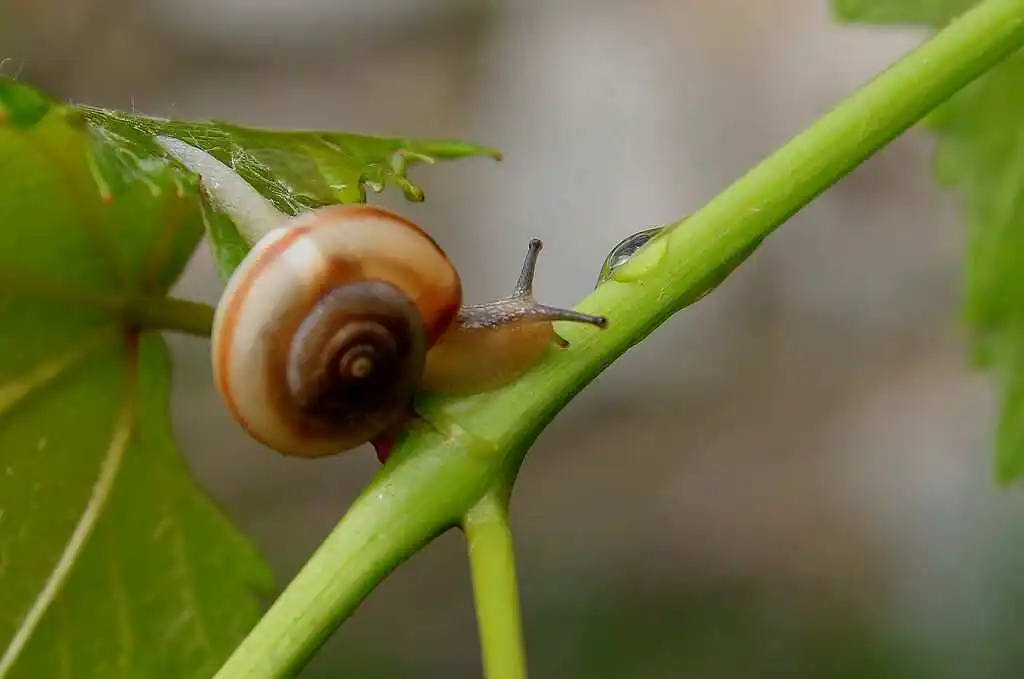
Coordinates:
x,y
492,562
435,475
171,313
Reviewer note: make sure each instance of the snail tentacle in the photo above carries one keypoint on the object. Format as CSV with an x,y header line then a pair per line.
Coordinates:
x,y
489,345
520,306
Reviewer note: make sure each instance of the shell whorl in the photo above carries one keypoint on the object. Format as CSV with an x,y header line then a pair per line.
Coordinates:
x,y
320,337
354,362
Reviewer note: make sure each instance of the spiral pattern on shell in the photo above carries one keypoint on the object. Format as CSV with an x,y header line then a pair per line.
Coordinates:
x,y
320,338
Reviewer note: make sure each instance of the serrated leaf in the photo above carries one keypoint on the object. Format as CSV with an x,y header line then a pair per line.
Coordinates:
x,y
981,154
296,171
112,562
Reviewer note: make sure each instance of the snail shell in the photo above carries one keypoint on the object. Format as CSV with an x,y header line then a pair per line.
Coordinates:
x,y
320,339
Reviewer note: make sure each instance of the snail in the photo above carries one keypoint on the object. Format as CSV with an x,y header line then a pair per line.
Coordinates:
x,y
338,316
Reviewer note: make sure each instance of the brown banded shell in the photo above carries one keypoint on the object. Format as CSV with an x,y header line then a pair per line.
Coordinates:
x,y
320,338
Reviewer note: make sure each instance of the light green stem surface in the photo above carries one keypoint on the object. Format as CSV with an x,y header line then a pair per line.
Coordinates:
x,y
492,563
437,474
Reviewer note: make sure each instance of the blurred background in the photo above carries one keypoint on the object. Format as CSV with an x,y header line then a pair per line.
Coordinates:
x,y
789,479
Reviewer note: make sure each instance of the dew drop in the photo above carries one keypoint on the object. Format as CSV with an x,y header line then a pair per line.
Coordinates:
x,y
643,262
625,264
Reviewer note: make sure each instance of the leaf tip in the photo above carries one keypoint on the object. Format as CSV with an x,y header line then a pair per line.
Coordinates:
x,y
451,150
411,191
20,105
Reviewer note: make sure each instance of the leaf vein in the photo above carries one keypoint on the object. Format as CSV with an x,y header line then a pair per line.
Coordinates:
x,y
102,490
16,390
184,572
122,610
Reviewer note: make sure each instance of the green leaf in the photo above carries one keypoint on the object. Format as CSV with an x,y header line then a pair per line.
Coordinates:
x,y
295,171
927,12
981,154
113,563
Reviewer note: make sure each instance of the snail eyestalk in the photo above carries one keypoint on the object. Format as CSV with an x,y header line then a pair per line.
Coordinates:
x,y
520,305
490,345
